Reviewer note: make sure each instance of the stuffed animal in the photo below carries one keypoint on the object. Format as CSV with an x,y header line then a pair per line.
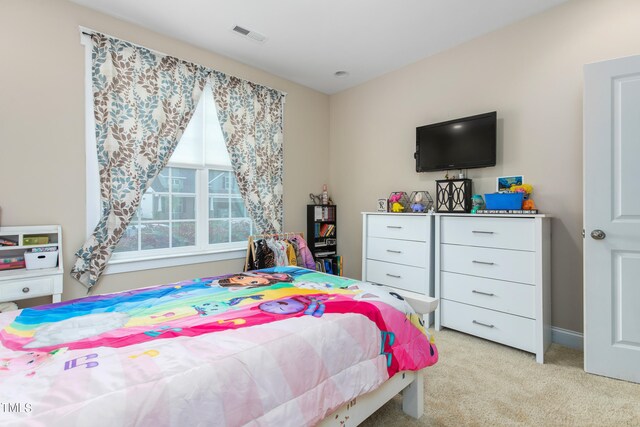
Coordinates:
x,y
524,188
528,204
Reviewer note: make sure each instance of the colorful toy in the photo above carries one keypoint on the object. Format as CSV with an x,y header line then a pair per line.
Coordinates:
x,y
524,188
395,203
477,202
417,205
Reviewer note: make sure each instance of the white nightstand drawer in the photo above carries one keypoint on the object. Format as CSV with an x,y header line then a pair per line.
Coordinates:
x,y
27,288
514,331
504,233
399,251
515,266
405,227
398,276
508,297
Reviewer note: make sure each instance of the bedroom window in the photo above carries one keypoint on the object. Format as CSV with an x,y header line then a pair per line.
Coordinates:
x,y
192,212
199,173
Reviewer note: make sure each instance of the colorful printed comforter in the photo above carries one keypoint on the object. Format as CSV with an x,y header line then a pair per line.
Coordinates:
x,y
283,346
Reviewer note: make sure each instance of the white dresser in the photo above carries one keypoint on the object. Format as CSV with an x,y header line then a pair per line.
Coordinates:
x,y
397,251
493,278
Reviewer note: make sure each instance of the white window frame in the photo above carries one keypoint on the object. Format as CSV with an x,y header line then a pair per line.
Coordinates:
x,y
156,258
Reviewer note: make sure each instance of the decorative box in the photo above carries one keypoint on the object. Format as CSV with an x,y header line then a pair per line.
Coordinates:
x,y
453,195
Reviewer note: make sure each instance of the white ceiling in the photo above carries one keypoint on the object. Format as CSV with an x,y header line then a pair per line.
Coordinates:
x,y
308,40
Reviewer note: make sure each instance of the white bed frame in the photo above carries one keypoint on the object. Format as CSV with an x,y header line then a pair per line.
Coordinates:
x,y
409,383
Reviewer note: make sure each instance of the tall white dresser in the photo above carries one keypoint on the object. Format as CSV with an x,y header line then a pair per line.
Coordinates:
x,y
397,251
493,278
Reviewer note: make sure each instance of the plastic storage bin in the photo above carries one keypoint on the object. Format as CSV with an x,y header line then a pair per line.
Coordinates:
x,y
504,200
36,260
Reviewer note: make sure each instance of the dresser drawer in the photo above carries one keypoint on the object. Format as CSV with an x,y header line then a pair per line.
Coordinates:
x,y
504,233
398,276
515,266
507,297
504,328
405,227
26,288
399,251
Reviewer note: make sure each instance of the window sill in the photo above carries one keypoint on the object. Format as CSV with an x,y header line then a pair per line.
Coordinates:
x,y
173,260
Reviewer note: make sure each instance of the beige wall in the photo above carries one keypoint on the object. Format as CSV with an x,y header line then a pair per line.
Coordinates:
x,y
531,73
42,148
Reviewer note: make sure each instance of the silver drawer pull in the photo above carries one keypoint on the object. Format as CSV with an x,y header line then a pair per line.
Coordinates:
x,y
394,252
482,293
483,262
483,324
482,232
393,275
25,290
393,226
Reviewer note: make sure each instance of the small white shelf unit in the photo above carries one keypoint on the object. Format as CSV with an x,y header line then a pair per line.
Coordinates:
x,y
20,283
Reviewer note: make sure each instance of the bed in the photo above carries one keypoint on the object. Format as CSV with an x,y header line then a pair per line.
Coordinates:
x,y
282,346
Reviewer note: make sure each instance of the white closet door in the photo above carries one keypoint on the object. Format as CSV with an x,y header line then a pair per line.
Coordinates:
x,y
612,218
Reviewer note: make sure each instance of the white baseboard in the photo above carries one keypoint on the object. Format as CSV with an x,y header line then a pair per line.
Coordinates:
x,y
567,338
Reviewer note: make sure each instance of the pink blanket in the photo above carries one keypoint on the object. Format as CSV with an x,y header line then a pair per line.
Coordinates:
x,y
285,346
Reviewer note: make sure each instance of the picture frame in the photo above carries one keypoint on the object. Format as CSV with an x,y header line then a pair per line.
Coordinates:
x,y
504,183
382,205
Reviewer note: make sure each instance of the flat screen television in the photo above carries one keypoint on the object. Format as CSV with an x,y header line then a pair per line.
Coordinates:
x,y
464,143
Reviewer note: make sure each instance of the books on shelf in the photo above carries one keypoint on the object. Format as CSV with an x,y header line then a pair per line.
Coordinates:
x,y
324,230
11,263
508,211
330,265
324,213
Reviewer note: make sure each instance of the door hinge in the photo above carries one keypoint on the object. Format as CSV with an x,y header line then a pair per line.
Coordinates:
x,y
583,234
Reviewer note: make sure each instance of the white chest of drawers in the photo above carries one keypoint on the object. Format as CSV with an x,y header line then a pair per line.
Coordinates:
x,y
397,251
492,276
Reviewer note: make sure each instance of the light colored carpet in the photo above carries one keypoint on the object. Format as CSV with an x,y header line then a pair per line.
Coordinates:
x,y
481,383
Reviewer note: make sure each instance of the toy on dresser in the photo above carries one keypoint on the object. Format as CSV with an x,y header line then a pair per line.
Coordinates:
x,y
394,200
526,189
477,203
417,205
421,201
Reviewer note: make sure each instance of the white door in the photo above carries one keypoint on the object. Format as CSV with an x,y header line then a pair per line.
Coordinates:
x,y
612,218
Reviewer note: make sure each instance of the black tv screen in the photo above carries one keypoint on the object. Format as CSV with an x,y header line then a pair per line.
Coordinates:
x,y
464,143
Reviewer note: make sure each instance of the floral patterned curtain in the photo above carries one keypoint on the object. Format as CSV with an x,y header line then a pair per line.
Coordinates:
x,y
142,103
251,117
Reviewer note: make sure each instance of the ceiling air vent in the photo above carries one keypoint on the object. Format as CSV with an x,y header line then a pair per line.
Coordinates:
x,y
248,33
